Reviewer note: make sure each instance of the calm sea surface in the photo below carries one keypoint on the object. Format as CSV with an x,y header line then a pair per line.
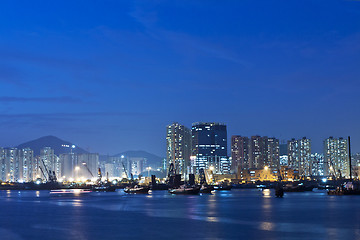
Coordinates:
x,y
236,214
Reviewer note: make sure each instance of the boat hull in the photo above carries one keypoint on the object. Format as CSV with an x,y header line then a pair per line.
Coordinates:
x,y
140,190
206,189
185,191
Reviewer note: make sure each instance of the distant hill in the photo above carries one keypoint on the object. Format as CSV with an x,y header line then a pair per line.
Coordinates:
x,y
152,159
53,142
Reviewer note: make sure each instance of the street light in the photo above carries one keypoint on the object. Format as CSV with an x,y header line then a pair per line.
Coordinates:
x,y
148,168
77,168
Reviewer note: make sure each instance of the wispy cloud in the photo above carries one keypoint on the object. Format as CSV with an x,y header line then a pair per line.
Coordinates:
x,y
184,43
10,75
63,99
71,115
60,119
40,59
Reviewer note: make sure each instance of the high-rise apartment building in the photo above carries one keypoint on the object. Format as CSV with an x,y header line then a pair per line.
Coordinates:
x,y
319,168
50,162
26,165
272,150
3,172
17,165
264,152
88,162
12,164
337,156
239,153
178,147
257,152
77,166
299,156
209,147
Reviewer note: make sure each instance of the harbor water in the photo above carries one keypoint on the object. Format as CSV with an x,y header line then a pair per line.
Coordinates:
x,y
235,214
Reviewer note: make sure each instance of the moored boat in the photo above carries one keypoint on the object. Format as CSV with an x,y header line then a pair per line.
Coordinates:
x,y
103,188
63,192
137,189
223,187
191,190
348,188
206,189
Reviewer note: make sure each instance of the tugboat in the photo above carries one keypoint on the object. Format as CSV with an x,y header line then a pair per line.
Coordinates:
x,y
157,186
187,190
137,189
205,188
100,186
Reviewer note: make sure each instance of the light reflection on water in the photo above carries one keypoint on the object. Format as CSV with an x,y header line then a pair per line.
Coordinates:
x,y
266,193
255,211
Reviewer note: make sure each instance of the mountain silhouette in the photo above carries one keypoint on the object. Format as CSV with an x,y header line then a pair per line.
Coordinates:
x,y
51,141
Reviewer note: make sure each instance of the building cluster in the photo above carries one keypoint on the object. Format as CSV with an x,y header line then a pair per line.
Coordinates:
x,y
255,153
252,158
20,165
123,166
204,146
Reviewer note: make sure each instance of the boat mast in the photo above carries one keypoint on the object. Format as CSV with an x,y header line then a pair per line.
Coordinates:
x,y
350,157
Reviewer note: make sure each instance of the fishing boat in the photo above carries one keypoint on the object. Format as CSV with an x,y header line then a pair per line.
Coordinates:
x,y
137,189
191,190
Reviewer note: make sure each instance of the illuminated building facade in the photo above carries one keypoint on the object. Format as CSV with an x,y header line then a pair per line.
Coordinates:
x,y
26,165
272,157
209,147
3,172
77,166
12,167
16,164
178,147
288,174
337,157
110,170
264,152
49,161
284,160
299,156
319,168
239,153
137,165
117,162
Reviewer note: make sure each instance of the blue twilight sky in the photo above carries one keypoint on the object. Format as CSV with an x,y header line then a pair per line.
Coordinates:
x,y
109,75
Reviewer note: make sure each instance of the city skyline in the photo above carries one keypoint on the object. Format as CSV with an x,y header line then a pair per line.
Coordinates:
x,y
320,149
110,76
203,148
